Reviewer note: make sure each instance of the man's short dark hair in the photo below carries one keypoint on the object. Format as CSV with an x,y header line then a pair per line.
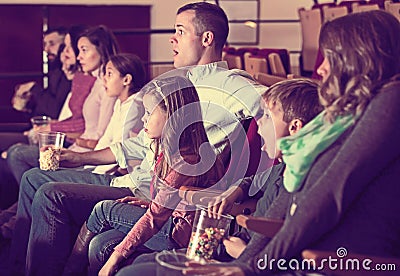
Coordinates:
x,y
209,17
60,30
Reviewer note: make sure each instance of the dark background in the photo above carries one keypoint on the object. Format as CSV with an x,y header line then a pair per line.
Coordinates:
x,y
21,33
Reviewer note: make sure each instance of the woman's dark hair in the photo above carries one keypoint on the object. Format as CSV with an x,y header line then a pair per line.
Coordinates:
x,y
363,51
75,33
132,65
104,41
184,132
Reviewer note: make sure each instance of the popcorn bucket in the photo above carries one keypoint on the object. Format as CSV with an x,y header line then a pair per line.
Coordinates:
x,y
207,233
49,158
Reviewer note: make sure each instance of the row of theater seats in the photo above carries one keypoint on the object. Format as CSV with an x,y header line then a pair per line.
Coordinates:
x,y
312,20
267,65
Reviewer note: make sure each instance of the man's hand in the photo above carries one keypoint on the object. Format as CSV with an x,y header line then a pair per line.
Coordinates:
x,y
70,159
22,95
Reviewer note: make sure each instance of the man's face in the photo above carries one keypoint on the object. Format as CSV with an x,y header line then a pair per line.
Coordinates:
x,y
271,127
186,44
51,43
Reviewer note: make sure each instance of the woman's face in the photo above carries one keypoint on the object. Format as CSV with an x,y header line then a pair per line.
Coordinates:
x,y
88,57
324,70
154,118
114,83
68,57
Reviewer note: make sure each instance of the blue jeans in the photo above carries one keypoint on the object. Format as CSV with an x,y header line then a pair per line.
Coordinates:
x,y
113,220
145,264
50,215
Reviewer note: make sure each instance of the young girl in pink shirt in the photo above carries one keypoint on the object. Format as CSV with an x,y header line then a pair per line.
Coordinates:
x,y
182,157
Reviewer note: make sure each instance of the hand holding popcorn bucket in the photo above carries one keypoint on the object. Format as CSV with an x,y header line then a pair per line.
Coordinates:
x,y
207,234
50,145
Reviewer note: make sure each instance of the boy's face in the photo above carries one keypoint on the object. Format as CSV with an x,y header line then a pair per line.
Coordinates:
x,y
186,44
272,127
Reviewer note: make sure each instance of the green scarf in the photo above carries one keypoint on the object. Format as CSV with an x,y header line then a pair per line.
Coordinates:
x,y
300,150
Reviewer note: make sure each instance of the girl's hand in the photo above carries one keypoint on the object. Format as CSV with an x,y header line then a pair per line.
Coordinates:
x,y
111,266
214,270
234,246
135,201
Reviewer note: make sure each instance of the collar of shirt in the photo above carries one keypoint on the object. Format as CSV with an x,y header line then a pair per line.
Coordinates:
x,y
198,72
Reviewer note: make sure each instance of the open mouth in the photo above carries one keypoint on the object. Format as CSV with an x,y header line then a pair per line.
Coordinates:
x,y
175,52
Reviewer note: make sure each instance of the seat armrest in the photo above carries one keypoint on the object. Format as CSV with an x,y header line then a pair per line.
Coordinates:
x,y
267,227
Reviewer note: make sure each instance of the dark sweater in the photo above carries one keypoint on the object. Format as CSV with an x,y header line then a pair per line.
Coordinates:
x,y
350,196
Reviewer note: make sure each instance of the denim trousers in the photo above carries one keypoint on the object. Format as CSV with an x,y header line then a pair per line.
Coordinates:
x,y
145,264
52,207
112,220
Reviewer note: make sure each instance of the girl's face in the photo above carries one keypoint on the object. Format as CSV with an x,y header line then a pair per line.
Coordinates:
x,y
115,84
89,57
324,70
154,117
68,57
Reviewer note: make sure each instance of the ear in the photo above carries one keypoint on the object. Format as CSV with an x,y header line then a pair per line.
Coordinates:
x,y
294,126
207,38
127,79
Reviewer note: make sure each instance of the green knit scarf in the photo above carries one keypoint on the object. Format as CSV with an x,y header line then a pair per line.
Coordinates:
x,y
300,150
